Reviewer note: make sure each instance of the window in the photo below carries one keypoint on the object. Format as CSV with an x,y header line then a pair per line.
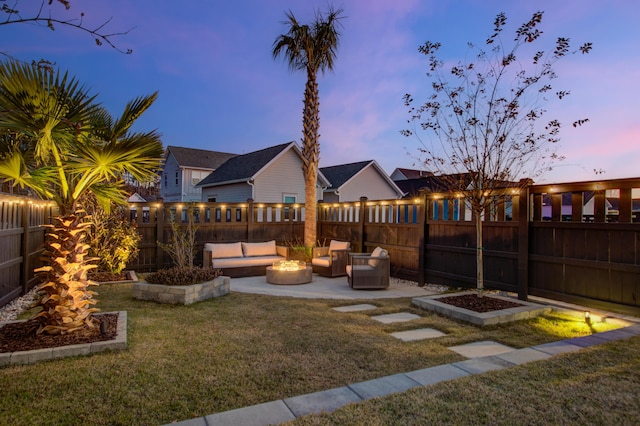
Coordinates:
x,y
212,199
166,179
287,211
177,178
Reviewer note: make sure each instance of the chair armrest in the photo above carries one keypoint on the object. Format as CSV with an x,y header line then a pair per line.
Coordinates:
x,y
206,259
320,251
282,251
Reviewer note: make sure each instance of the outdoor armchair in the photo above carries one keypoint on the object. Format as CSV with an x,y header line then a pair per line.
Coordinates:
x,y
369,271
331,261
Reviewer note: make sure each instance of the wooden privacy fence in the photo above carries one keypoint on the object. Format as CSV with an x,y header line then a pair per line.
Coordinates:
x,y
576,242
21,243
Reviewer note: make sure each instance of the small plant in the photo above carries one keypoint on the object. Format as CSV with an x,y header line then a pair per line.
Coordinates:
x,y
298,251
182,245
183,276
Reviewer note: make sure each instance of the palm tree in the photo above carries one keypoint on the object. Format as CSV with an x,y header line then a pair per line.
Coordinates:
x,y
63,147
310,48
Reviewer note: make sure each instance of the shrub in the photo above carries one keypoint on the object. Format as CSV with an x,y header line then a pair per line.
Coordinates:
x,y
114,239
183,275
182,242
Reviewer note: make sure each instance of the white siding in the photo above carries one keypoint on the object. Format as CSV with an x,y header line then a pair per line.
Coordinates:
x,y
190,178
234,193
368,183
284,176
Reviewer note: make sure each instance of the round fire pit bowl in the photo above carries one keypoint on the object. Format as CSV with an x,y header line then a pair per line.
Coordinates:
x,y
289,273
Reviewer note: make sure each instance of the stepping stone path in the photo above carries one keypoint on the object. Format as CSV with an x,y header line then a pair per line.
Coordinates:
x,y
397,317
418,334
355,308
481,349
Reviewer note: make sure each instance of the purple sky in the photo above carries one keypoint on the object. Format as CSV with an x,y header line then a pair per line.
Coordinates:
x,y
220,89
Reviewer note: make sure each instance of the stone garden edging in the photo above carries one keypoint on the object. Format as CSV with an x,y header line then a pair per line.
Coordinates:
x,y
179,294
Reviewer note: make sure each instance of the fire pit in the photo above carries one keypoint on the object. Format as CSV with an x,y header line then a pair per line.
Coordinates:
x,y
289,272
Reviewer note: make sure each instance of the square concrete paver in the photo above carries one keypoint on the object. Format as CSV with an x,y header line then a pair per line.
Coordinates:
x,y
383,386
397,317
437,374
355,308
524,355
274,412
418,334
480,349
482,365
323,401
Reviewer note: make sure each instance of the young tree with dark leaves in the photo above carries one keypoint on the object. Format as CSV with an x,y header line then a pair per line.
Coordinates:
x,y
485,120
48,15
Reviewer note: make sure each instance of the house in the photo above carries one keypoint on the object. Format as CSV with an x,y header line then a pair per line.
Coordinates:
x,y
184,168
270,175
351,181
404,174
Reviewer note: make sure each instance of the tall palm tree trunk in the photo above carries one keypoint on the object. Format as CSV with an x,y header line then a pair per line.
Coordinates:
x,y
66,302
310,157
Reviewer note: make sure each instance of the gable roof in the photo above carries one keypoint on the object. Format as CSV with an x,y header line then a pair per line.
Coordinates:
x,y
242,168
341,174
412,173
198,158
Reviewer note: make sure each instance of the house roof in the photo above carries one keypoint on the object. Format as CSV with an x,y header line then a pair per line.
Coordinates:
x,y
413,173
341,174
198,158
246,167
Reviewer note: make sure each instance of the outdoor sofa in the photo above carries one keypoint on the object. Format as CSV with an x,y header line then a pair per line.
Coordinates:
x,y
243,259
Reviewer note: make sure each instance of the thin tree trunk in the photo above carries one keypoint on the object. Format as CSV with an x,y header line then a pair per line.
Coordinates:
x,y
479,250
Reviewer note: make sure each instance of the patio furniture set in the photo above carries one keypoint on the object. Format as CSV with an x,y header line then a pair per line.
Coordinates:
x,y
240,259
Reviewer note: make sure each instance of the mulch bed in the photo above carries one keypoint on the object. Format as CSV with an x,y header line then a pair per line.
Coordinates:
x,y
21,336
474,303
104,277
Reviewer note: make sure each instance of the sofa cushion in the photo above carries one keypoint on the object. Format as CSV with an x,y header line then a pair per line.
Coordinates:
x,y
359,269
240,262
338,245
224,250
260,249
377,252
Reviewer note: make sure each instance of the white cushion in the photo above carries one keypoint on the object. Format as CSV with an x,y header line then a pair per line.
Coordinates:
x,y
260,249
377,252
338,245
224,250
239,262
321,261
359,268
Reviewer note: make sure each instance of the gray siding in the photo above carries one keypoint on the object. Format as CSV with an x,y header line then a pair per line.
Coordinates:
x,y
282,177
234,193
368,183
170,191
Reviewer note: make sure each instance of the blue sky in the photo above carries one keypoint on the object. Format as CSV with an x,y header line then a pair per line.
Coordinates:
x,y
220,89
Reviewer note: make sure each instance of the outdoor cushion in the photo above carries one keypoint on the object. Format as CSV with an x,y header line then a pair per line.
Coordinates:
x,y
240,262
259,249
359,269
323,261
223,250
338,245
377,252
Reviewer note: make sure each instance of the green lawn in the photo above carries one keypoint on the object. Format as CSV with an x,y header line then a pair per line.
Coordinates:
x,y
243,349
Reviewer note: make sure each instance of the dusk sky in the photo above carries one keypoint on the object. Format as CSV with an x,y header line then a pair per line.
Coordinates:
x,y
220,89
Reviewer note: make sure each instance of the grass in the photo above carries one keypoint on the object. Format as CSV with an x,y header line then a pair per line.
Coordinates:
x,y
242,349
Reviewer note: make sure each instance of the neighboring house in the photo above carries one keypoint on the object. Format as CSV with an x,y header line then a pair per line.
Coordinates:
x,y
270,175
351,181
186,167
404,174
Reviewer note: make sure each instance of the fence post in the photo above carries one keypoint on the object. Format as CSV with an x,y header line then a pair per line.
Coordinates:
x,y
422,239
159,235
24,279
523,243
361,220
250,219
